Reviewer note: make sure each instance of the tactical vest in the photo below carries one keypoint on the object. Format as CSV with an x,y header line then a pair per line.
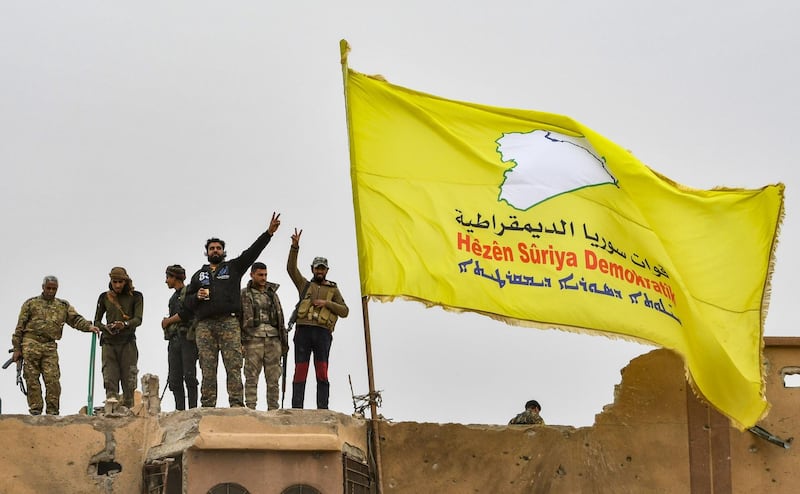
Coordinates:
x,y
259,308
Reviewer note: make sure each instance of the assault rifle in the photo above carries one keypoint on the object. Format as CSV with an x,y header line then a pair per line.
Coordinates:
x,y
10,360
289,327
20,381
283,375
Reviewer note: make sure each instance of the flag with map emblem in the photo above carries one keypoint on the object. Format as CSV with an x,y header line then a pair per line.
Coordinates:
x,y
534,219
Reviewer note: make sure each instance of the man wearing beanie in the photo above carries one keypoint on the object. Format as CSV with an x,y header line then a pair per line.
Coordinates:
x,y
214,299
122,307
181,349
530,416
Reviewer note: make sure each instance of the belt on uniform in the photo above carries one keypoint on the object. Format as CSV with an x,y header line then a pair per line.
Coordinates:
x,y
222,316
38,337
250,337
253,339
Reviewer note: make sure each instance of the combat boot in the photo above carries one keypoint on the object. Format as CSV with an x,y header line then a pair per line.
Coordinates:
x,y
323,391
298,394
191,392
180,402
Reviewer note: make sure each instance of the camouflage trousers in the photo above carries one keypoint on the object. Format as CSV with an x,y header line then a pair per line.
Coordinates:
x,y
41,359
262,353
119,368
215,336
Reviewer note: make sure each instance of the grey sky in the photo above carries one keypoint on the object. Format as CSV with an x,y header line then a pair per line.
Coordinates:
x,y
132,133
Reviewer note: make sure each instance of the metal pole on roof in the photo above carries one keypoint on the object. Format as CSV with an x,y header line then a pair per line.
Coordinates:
x,y
90,398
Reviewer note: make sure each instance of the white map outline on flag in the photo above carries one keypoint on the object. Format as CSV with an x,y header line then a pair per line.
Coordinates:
x,y
547,164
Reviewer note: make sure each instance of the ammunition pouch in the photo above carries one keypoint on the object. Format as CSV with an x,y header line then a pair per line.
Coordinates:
x,y
175,329
327,318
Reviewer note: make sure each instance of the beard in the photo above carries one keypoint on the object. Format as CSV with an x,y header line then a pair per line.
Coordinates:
x,y
319,278
216,258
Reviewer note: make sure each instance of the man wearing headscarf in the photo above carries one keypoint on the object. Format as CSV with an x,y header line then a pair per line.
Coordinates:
x,y
122,307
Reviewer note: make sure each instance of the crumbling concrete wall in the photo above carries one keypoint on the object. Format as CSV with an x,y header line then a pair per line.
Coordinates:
x,y
75,454
641,443
655,437
107,454
637,445
758,465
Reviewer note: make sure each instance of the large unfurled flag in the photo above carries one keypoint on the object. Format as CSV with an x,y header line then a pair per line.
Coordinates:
x,y
534,219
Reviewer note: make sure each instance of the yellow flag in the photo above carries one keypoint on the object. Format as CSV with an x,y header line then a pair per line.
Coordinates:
x,y
534,219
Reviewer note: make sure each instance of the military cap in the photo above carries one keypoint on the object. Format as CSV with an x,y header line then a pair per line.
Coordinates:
x,y
319,261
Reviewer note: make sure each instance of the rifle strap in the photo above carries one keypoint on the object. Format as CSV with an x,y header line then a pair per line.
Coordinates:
x,y
303,293
297,306
112,297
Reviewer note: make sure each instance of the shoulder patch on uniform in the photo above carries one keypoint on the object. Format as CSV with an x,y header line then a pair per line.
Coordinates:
x,y
331,283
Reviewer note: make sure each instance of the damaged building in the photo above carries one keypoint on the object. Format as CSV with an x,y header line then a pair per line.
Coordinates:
x,y
656,437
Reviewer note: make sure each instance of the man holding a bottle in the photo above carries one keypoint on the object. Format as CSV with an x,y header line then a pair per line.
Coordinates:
x,y
214,297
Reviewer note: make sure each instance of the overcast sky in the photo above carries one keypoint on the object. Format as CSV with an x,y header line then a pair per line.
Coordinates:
x,y
129,134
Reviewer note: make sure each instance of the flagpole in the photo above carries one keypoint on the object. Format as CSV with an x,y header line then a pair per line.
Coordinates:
x,y
344,49
373,408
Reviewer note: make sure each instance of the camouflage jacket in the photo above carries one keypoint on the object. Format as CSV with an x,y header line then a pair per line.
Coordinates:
x,y
307,314
262,314
45,320
528,417
132,307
